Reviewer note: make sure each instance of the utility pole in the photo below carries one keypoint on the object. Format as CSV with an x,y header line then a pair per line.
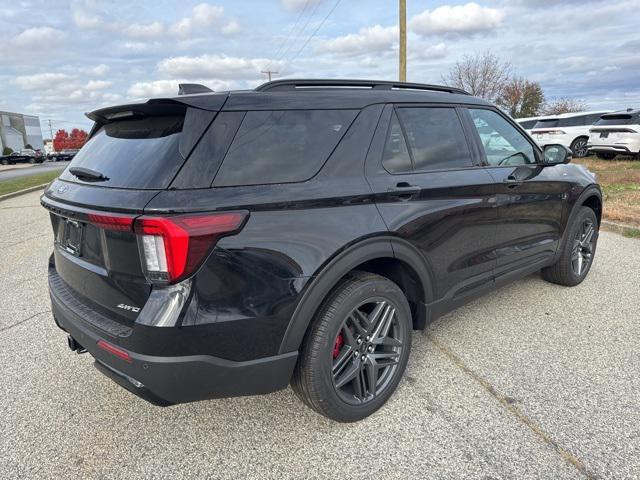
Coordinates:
x,y
268,72
50,129
402,68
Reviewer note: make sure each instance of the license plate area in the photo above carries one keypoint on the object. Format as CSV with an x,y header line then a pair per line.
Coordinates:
x,y
70,235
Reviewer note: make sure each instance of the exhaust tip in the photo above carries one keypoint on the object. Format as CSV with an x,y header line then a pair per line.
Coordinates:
x,y
74,346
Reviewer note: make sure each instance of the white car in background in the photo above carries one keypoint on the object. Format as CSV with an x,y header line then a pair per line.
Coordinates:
x,y
568,129
616,133
528,122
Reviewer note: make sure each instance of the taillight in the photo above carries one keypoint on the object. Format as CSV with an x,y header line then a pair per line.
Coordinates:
x,y
172,248
119,223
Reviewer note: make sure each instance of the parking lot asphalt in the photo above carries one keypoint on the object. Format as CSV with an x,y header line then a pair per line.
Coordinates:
x,y
532,381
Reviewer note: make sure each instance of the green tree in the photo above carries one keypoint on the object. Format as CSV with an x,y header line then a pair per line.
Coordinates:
x,y
521,98
7,151
28,145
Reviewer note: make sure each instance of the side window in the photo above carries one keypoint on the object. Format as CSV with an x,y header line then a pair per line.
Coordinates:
x,y
396,157
435,138
503,143
280,146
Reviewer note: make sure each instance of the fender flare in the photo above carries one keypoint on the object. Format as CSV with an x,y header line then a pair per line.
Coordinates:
x,y
320,284
589,191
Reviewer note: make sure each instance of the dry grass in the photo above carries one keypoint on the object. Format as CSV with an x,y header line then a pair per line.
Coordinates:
x,y
620,182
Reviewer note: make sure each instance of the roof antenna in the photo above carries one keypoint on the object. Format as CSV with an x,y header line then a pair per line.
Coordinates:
x,y
190,88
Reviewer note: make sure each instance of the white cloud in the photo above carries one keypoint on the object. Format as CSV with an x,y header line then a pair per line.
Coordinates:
x,y
367,40
43,81
98,70
205,15
169,88
202,15
428,52
468,18
86,20
38,37
231,28
97,85
212,66
299,4
144,30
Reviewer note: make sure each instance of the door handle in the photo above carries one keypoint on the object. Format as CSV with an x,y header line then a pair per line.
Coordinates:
x,y
512,181
404,190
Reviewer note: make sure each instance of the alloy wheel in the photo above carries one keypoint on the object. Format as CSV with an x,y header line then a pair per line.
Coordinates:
x,y
583,244
580,148
366,351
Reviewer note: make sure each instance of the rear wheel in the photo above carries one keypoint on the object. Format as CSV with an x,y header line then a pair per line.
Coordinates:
x,y
579,147
606,155
577,252
5,161
32,160
356,350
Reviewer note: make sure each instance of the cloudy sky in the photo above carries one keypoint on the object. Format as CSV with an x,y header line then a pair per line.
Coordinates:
x,y
60,59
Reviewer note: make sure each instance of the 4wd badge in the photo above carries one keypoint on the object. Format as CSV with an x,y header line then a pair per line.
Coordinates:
x,y
129,308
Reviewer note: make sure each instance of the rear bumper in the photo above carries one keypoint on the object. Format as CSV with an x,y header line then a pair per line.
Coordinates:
x,y
165,380
610,149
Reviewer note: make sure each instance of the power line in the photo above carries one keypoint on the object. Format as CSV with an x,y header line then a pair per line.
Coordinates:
x,y
304,8
299,34
335,5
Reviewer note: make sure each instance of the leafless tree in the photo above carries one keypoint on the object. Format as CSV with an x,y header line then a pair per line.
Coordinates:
x,y
563,105
483,75
521,98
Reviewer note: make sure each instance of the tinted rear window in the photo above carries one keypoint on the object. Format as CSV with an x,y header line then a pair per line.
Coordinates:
x,y
282,146
623,119
546,123
141,154
527,123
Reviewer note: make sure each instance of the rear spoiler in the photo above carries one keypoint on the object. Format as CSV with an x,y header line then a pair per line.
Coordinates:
x,y
159,107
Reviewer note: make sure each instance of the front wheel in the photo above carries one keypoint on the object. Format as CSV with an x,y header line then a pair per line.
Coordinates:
x,y
356,349
5,161
577,252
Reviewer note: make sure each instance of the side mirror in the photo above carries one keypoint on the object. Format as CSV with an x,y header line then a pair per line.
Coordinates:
x,y
555,154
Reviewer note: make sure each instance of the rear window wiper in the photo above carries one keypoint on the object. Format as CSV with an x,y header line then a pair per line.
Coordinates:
x,y
87,174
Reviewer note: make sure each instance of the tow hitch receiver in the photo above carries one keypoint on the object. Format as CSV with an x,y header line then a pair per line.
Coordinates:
x,y
74,346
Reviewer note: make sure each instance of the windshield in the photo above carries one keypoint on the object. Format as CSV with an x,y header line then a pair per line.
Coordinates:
x,y
615,120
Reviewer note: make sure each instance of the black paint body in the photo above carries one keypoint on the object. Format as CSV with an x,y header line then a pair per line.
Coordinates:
x,y
452,236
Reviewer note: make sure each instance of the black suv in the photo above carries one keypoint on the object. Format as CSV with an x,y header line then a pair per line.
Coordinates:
x,y
222,244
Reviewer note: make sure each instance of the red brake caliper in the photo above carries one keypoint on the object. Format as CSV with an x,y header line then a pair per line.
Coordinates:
x,y
338,345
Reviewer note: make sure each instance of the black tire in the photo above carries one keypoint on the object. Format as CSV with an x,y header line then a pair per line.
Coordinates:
x,y
32,160
5,161
313,379
605,156
579,147
565,271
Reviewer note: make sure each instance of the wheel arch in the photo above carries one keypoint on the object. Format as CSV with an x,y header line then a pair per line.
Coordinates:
x,y
387,256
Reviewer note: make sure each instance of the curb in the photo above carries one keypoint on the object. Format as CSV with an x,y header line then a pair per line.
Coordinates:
x,y
20,192
620,228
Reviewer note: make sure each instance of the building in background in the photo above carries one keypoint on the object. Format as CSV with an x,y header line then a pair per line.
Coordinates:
x,y
18,130
48,146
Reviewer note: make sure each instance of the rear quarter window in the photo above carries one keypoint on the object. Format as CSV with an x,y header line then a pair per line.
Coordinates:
x,y
282,146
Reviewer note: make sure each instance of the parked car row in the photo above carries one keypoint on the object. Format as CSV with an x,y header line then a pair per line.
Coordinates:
x,y
36,156
24,155
62,155
603,133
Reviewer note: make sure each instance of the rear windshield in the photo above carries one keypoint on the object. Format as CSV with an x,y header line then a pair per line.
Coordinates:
x,y
551,123
281,146
141,154
615,120
526,124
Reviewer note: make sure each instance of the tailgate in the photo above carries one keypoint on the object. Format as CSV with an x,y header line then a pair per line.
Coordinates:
x,y
98,262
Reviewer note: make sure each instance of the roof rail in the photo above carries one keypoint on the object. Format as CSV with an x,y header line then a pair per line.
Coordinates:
x,y
292,84
189,88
